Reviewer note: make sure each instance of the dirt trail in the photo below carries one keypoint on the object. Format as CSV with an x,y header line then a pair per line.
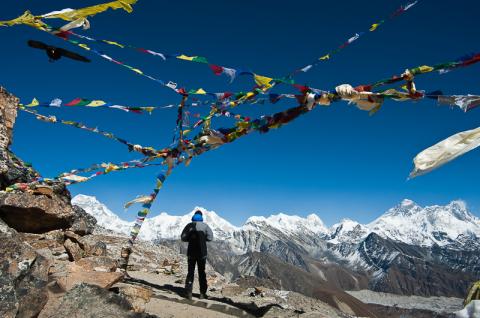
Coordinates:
x,y
168,300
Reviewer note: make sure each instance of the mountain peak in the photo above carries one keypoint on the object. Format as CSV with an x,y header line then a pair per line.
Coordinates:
x,y
407,203
405,208
459,204
85,198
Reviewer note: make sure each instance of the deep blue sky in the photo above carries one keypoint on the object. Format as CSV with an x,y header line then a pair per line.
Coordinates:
x,y
337,162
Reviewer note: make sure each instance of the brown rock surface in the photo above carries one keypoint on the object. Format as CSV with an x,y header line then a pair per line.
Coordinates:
x,y
88,301
98,264
23,276
8,113
93,246
26,212
83,223
74,274
11,169
137,296
74,251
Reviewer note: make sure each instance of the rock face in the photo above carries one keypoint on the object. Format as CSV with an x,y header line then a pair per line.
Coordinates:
x,y
23,276
8,111
12,169
404,269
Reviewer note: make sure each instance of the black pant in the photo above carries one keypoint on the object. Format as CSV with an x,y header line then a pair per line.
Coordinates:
x,y
202,277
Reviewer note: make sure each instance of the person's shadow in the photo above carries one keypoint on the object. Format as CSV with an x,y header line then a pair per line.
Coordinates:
x,y
242,309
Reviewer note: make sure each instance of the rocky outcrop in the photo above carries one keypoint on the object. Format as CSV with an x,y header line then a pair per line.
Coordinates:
x,y
12,169
23,276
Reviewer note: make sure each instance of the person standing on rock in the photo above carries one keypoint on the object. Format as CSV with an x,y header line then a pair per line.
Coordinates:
x,y
197,234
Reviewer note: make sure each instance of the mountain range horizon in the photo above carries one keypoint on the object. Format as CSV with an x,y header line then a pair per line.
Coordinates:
x,y
403,202
406,222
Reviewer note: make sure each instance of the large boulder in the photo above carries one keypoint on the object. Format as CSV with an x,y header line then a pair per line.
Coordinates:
x,y
74,274
26,212
23,276
90,301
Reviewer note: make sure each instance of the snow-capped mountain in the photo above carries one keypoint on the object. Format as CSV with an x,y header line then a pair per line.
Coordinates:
x,y
287,223
348,231
163,226
450,225
253,236
426,226
407,222
104,216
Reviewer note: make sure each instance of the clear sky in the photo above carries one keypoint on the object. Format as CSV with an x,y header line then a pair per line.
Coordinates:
x,y
337,162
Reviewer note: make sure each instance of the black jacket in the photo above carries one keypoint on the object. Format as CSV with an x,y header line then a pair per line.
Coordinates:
x,y
197,234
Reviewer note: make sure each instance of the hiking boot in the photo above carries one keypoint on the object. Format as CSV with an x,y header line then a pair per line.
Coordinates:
x,y
189,295
203,296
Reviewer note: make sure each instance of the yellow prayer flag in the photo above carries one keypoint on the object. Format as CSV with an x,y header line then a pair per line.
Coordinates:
x,y
111,167
325,57
84,46
114,43
185,57
425,69
262,80
33,103
201,91
26,18
374,27
96,103
74,14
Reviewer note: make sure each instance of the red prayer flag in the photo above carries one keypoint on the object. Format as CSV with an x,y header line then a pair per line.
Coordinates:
x,y
74,102
217,70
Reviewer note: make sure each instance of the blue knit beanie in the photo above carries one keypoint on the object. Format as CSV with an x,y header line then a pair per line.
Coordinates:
x,y
197,217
